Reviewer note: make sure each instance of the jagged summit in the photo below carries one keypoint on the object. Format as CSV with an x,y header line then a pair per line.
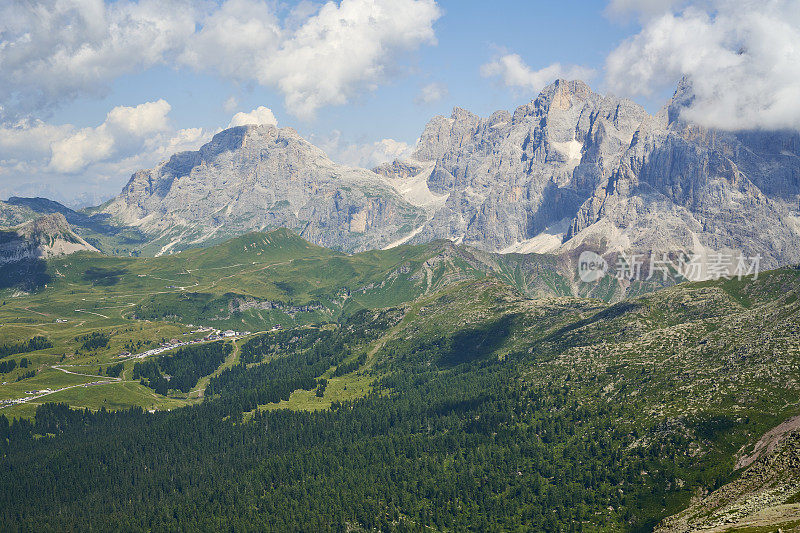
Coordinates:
x,y
575,168
570,168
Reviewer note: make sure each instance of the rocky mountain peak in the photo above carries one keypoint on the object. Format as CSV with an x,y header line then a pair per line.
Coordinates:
x,y
252,178
562,94
46,236
681,99
570,169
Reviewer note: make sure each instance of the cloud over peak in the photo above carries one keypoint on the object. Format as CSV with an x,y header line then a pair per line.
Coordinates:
x,y
742,60
514,72
259,115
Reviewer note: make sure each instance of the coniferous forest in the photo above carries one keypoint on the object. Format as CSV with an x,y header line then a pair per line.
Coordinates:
x,y
449,438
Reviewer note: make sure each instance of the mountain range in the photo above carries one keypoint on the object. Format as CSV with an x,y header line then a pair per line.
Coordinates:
x,y
570,170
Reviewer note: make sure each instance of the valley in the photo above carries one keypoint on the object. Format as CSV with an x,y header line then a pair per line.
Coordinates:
x,y
489,354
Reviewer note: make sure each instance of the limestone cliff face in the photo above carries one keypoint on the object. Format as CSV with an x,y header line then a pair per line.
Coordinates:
x,y
41,238
512,176
681,186
574,168
568,170
261,177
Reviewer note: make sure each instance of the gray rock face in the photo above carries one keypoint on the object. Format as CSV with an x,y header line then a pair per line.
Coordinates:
x,y
41,238
571,169
251,178
574,168
512,176
680,186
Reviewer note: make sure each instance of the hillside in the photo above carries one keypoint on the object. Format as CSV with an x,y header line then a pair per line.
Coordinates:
x,y
421,365
96,230
262,279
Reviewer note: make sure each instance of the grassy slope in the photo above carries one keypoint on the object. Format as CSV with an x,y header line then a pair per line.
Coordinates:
x,y
683,344
714,363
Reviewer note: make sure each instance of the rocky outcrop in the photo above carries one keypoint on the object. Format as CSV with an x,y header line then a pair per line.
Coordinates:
x,y
763,498
240,304
41,238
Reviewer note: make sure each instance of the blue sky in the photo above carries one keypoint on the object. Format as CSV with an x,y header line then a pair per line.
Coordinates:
x,y
469,34
92,91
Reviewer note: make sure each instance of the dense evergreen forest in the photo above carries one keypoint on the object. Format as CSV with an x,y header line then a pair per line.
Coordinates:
x,y
181,370
93,341
450,438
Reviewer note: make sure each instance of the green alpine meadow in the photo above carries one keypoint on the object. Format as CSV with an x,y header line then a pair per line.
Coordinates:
x,y
425,387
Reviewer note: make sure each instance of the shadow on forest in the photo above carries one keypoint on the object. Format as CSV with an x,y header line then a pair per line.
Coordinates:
x,y
610,313
475,343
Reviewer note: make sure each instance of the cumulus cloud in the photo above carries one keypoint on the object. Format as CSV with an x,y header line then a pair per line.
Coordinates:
x,y
56,50
259,115
122,133
341,50
741,60
234,39
433,92
53,157
53,51
513,72
363,155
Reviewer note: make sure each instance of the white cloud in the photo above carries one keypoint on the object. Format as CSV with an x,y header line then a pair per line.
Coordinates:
x,y
342,50
54,51
234,39
742,60
29,140
75,152
363,155
140,120
433,92
122,133
259,115
513,72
